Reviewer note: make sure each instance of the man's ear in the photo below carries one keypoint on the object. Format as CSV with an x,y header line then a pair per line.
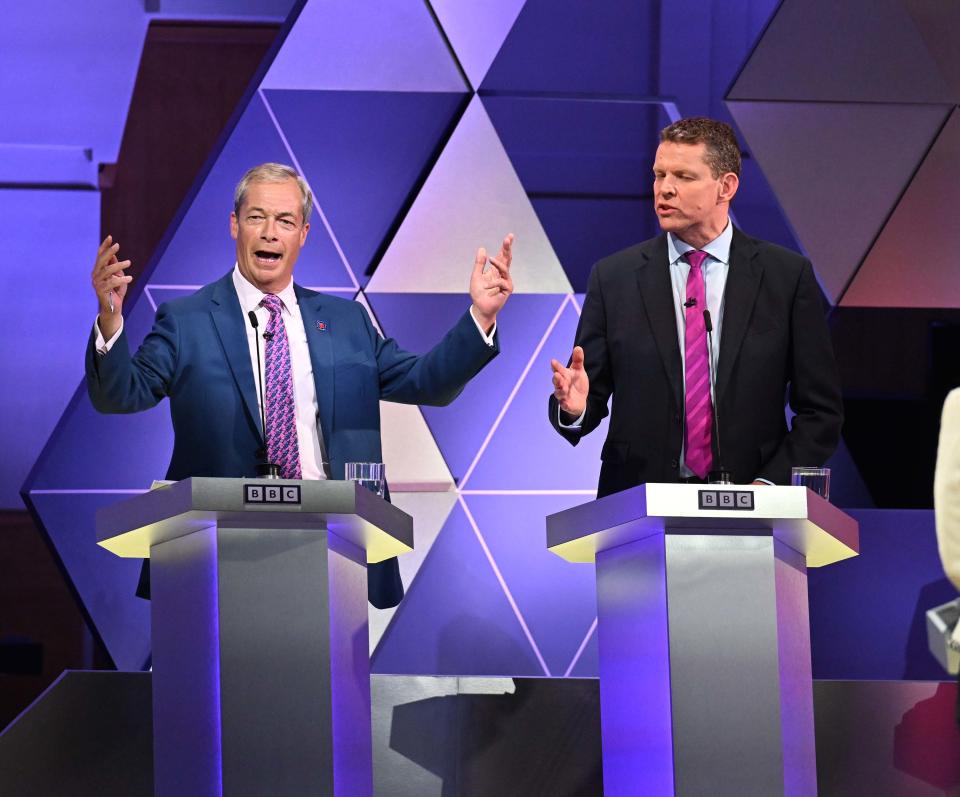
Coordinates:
x,y
234,226
303,233
729,183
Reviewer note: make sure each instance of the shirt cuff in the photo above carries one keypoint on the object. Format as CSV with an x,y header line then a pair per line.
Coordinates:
x,y
103,346
575,425
488,339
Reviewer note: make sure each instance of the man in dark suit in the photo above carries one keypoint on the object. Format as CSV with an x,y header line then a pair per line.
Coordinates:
x,y
643,339
325,367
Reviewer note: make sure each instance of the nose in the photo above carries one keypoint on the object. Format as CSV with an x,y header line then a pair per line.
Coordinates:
x,y
268,231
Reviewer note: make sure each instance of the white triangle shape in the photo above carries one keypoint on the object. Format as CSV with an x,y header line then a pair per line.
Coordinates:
x,y
477,31
472,198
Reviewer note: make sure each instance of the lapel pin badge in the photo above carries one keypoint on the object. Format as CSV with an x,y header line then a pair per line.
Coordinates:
x,y
321,326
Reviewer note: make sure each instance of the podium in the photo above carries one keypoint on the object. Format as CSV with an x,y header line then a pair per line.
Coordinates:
x,y
703,629
261,669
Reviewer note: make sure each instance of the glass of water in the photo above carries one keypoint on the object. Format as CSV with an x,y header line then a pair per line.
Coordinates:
x,y
368,474
817,479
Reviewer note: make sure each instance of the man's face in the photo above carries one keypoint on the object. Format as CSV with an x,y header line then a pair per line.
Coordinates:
x,y
690,202
269,232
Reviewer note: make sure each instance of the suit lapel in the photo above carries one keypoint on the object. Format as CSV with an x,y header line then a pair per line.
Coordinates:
x,y
740,295
320,343
656,291
229,322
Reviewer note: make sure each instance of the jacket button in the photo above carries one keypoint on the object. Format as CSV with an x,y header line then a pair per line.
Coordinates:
x,y
674,463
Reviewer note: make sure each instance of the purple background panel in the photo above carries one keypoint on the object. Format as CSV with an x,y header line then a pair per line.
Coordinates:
x,y
364,153
556,598
543,460
867,614
202,250
137,447
455,618
907,267
345,45
579,50
588,663
855,51
42,362
419,321
476,31
868,152
104,583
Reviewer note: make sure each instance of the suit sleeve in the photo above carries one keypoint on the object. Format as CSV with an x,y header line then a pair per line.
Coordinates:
x,y
592,338
119,383
437,377
815,394
946,488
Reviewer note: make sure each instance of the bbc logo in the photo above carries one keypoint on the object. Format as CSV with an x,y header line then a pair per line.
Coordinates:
x,y
726,499
271,493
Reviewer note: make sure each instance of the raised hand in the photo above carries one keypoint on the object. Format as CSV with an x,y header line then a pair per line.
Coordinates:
x,y
490,288
110,285
571,385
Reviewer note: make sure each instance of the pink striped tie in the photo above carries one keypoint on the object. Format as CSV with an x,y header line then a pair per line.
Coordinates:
x,y
699,410
282,446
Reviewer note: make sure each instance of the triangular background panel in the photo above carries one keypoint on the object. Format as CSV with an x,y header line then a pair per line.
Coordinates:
x,y
476,31
349,46
104,582
907,266
807,53
455,618
865,153
429,512
544,460
363,153
471,198
556,598
418,322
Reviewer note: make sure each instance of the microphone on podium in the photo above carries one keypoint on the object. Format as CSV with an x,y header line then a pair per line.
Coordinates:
x,y
719,475
265,468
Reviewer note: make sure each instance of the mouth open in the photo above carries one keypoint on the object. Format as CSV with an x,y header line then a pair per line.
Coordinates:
x,y
265,257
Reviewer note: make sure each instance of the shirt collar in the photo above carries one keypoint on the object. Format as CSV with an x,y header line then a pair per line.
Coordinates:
x,y
250,296
718,248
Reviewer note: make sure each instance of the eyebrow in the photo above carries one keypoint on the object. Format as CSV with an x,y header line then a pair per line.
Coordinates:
x,y
277,215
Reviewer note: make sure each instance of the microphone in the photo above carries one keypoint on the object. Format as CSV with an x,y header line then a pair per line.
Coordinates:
x,y
719,475
690,303
265,469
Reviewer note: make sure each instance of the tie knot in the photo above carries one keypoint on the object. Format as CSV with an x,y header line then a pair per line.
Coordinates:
x,y
695,257
272,303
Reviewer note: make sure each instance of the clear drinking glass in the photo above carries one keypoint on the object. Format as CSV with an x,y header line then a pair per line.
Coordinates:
x,y
817,479
371,475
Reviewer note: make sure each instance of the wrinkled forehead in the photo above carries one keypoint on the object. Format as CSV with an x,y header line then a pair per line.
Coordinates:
x,y
674,154
275,197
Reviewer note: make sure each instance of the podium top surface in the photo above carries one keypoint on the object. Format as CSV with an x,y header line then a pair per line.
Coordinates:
x,y
129,528
799,518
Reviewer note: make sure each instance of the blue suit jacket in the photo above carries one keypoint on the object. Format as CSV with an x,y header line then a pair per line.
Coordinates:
x,y
197,356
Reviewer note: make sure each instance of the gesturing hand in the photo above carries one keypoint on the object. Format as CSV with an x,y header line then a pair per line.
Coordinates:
x,y
571,385
110,285
490,289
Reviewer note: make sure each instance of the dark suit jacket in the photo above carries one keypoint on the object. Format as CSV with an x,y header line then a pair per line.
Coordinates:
x,y
774,344
197,355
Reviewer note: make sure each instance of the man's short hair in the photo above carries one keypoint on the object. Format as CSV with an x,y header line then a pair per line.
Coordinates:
x,y
723,151
273,173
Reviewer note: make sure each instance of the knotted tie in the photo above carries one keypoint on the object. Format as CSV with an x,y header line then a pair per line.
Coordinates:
x,y
281,432
698,406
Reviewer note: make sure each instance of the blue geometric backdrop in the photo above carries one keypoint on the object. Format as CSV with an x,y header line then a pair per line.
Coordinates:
x,y
426,130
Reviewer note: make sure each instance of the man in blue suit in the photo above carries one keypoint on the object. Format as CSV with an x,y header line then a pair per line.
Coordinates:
x,y
203,349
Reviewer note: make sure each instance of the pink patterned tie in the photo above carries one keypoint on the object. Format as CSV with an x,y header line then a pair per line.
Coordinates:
x,y
699,409
281,432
